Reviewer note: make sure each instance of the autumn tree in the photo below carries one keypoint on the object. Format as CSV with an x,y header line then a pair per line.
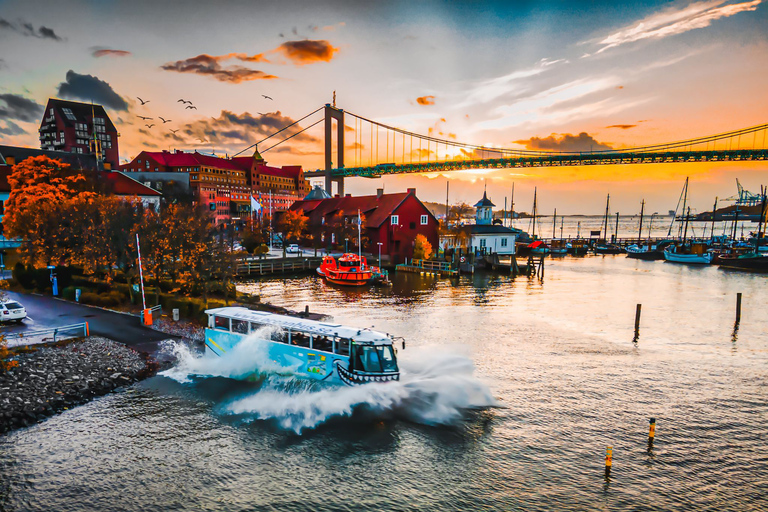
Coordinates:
x,y
422,249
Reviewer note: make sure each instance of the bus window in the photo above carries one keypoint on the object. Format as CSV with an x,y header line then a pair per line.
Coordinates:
x,y
279,336
221,323
255,327
239,326
342,346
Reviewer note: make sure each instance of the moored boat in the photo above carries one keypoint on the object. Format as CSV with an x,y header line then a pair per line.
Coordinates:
x,y
350,270
752,261
322,351
694,254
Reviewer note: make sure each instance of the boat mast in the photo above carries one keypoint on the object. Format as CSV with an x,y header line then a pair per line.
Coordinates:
x,y
554,224
607,204
640,231
687,216
674,216
561,227
685,201
533,235
616,234
760,222
512,205
712,235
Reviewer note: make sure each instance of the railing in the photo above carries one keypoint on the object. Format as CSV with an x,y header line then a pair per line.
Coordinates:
x,y
262,268
63,332
431,265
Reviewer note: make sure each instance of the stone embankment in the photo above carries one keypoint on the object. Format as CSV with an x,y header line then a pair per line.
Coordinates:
x,y
49,379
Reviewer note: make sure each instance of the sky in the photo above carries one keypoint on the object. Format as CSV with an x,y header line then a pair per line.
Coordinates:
x,y
551,75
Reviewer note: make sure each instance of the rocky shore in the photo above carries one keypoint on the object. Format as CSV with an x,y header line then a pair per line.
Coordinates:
x,y
51,378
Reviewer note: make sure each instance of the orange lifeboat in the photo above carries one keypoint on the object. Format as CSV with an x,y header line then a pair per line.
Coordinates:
x,y
350,270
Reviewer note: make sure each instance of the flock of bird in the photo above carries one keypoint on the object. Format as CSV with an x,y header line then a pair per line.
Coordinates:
x,y
188,105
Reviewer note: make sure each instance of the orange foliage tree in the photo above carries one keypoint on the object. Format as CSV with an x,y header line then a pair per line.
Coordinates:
x,y
422,249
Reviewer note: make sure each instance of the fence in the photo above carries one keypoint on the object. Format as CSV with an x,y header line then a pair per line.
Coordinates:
x,y
44,335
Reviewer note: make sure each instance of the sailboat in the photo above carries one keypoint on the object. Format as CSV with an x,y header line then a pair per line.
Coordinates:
x,y
694,253
605,247
537,246
557,247
640,251
755,261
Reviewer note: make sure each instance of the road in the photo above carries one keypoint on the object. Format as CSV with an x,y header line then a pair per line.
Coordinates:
x,y
46,312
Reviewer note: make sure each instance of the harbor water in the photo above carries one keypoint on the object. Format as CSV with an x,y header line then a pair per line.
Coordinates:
x,y
512,390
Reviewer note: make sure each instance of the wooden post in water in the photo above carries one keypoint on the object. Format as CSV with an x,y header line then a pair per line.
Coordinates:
x,y
652,430
637,321
608,461
738,307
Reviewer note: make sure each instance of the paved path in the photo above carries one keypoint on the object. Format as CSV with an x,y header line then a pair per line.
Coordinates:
x,y
45,312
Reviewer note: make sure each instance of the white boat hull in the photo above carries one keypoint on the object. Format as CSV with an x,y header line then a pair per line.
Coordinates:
x,y
691,259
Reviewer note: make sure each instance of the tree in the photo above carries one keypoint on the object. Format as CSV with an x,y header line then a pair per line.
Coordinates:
x,y
422,249
292,224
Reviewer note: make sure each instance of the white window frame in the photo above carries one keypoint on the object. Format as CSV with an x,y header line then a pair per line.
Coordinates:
x,y
424,220
504,241
394,220
483,243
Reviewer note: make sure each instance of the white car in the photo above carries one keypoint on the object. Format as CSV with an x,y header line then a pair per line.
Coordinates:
x,y
10,310
293,249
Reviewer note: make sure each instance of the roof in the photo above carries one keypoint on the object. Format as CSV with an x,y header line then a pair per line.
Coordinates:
x,y
303,325
78,161
83,112
182,159
484,202
492,229
317,192
377,209
123,185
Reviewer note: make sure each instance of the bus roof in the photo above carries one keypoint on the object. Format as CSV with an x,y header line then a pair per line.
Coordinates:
x,y
303,325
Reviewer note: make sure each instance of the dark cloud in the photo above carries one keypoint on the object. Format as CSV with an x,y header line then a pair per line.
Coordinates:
x,y
230,129
567,142
19,108
108,52
27,29
425,100
90,88
622,126
11,128
210,65
307,51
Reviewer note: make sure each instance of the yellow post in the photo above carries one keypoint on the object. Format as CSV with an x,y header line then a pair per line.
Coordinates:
x,y
608,460
652,431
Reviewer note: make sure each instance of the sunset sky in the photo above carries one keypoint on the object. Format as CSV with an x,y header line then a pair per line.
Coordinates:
x,y
539,75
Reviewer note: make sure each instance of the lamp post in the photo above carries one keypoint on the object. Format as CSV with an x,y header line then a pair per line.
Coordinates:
x,y
54,281
346,245
379,244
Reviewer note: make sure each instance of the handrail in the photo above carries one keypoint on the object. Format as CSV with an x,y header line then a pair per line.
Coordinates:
x,y
53,330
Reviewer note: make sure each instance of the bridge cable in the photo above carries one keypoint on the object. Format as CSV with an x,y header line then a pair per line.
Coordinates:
x,y
281,130
295,134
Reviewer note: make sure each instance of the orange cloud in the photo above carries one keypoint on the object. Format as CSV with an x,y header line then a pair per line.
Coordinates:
x,y
307,51
210,65
568,142
425,100
622,126
106,52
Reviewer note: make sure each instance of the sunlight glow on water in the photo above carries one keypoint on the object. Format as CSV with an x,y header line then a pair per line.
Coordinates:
x,y
557,356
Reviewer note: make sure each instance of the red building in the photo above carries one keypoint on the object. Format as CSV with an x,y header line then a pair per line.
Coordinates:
x,y
283,185
80,128
393,220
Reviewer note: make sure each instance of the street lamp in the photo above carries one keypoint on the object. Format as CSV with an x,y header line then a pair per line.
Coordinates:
x,y
346,245
379,244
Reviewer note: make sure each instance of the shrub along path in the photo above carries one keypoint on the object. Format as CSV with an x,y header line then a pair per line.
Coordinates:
x,y
47,312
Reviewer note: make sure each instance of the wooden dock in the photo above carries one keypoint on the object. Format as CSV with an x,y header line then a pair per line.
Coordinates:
x,y
441,268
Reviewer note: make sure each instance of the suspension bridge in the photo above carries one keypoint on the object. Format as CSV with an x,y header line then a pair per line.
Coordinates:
x,y
379,149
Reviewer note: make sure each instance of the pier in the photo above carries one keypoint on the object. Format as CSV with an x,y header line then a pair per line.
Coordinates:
x,y
282,266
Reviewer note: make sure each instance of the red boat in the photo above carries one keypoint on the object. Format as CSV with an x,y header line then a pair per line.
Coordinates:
x,y
350,270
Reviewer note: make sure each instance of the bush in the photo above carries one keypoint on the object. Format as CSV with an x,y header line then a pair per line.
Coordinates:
x,y
68,293
23,276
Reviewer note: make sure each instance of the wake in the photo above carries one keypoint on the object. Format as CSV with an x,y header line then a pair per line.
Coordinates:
x,y
435,388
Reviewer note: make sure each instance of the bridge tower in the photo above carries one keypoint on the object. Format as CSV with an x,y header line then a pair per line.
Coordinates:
x,y
331,113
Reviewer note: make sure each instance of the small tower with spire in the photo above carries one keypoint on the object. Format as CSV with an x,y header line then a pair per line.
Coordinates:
x,y
484,215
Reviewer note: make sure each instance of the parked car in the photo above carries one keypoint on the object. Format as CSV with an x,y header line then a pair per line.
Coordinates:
x,y
12,311
293,249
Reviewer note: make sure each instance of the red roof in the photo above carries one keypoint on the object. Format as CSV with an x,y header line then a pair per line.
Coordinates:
x,y
181,159
377,209
123,185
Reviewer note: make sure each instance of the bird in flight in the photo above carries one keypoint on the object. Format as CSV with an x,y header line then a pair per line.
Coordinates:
x,y
203,141
142,101
261,114
265,96
173,131
192,106
183,101
165,120
149,125
145,118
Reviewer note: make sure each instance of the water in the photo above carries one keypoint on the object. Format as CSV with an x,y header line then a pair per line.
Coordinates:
x,y
512,390
658,226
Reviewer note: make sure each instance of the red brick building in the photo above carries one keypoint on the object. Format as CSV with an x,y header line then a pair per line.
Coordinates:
x,y
393,220
284,185
80,128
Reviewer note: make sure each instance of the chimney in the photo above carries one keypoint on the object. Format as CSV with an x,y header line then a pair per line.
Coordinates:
x,y
412,191
10,160
379,192
336,195
347,195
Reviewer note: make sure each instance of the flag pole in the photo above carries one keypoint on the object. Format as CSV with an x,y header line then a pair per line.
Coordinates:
x,y
359,238
141,274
